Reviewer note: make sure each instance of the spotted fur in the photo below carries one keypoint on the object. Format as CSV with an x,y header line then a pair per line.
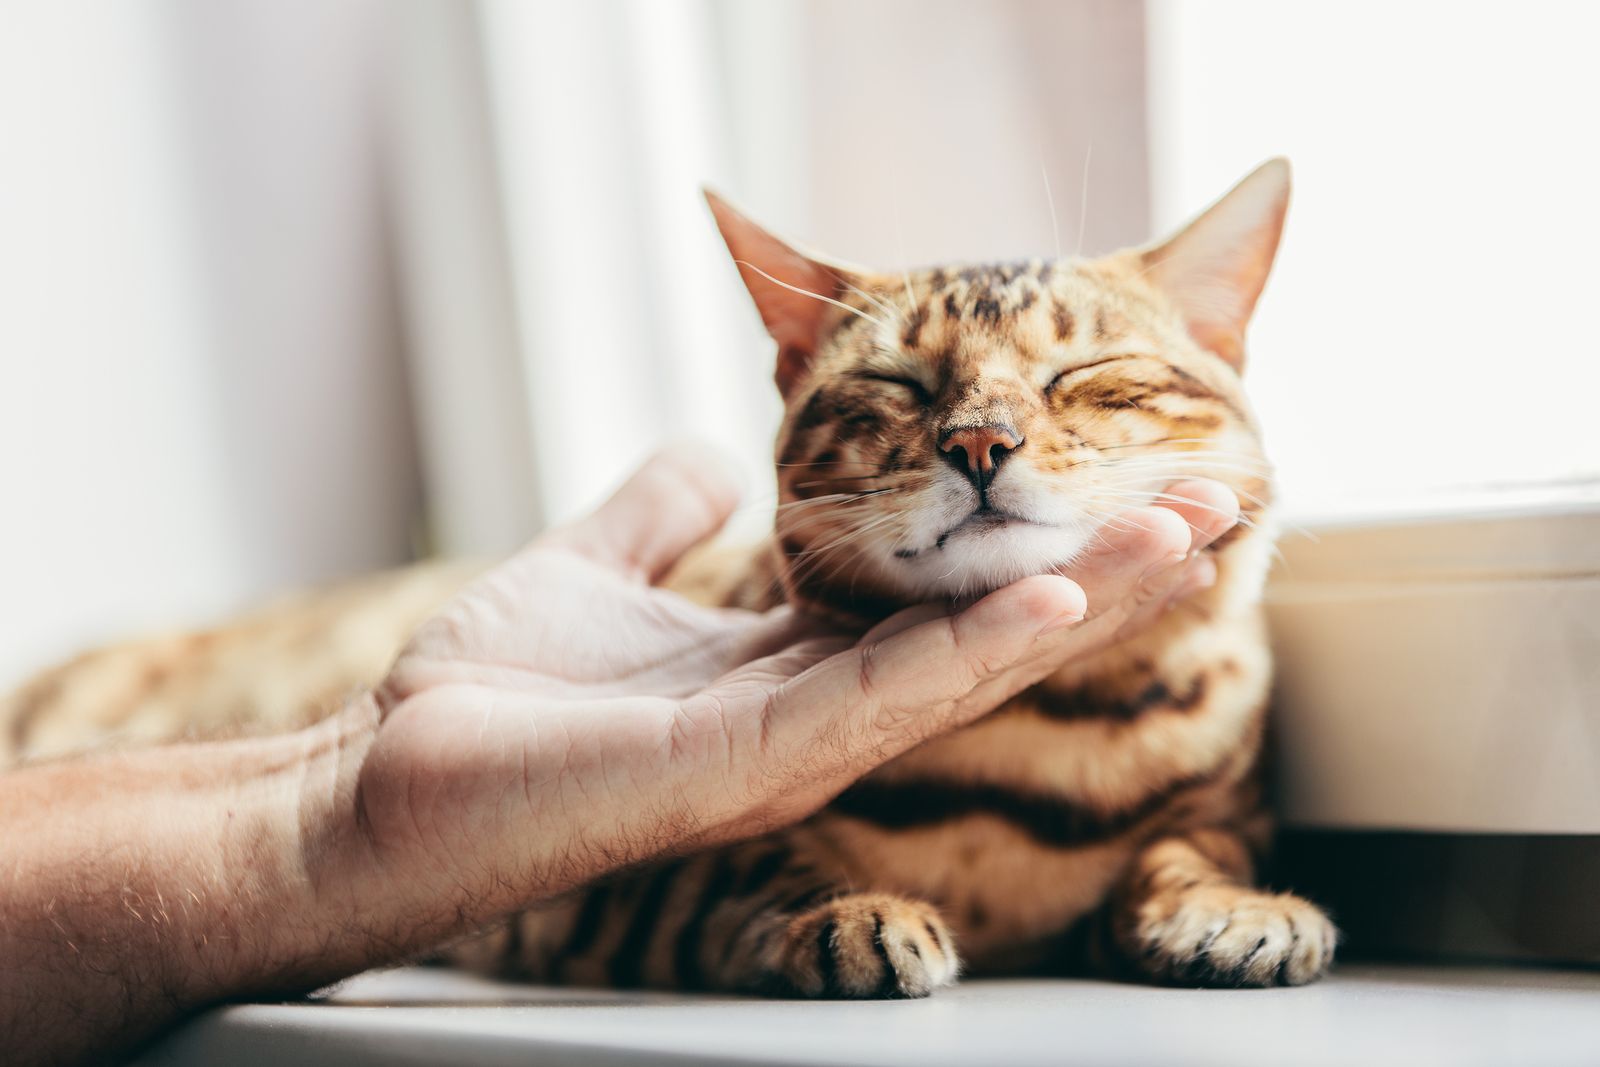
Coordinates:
x,y
947,431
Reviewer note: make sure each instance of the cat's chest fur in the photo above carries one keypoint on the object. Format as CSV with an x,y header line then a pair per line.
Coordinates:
x,y
1019,825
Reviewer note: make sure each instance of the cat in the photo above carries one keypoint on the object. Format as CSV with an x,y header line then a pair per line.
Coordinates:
x,y
946,431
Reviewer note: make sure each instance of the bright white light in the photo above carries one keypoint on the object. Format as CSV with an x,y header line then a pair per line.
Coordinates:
x,y
1428,326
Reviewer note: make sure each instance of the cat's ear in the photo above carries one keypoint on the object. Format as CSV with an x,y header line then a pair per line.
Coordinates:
x,y
1215,267
793,291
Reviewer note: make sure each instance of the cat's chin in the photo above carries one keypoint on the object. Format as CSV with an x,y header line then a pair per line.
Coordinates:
x,y
980,557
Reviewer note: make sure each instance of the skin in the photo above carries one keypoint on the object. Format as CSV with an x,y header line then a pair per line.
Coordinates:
x,y
517,748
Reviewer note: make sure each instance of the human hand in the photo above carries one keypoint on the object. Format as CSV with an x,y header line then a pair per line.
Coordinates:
x,y
564,716
560,718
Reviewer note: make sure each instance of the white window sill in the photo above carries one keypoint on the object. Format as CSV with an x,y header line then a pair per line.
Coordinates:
x,y
1442,671
1363,1014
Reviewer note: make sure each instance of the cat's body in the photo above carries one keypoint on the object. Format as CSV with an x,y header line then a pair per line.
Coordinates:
x,y
1016,830
946,432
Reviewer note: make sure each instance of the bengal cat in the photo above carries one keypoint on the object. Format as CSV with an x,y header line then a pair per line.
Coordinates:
x,y
946,431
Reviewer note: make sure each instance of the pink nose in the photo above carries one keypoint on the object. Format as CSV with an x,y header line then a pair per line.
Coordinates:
x,y
982,447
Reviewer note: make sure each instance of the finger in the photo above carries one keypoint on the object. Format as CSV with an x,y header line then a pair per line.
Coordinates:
x,y
881,697
1147,602
1154,600
680,497
1144,604
1135,547
1209,507
905,619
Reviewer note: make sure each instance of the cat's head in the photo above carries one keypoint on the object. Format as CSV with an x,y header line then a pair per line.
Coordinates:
x,y
950,430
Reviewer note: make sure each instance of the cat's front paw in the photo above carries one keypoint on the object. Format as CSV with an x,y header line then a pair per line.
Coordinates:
x,y
1231,936
865,945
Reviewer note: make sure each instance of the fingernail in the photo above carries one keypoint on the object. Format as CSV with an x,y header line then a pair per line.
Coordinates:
x,y
1060,622
1162,567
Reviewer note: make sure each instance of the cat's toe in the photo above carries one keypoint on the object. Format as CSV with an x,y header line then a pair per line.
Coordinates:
x,y
866,945
1230,936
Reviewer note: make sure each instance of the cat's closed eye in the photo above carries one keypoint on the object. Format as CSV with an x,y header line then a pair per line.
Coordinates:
x,y
1055,382
914,388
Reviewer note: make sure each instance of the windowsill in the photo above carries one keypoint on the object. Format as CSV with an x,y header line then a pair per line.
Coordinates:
x,y
1364,1013
1468,503
1442,672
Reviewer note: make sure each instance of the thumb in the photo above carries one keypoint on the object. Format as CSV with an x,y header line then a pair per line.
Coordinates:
x,y
878,699
680,497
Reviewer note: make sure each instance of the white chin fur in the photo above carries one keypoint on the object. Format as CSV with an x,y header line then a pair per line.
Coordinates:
x,y
977,561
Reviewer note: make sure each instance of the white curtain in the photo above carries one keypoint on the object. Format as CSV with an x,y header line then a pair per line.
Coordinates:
x,y
200,397
891,133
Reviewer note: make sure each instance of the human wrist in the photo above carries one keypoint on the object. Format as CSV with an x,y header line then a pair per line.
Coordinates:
x,y
366,887
289,876
136,887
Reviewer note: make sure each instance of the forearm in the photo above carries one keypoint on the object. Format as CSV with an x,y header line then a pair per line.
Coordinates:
x,y
137,887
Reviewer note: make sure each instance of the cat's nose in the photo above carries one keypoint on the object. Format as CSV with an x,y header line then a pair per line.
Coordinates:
x,y
978,451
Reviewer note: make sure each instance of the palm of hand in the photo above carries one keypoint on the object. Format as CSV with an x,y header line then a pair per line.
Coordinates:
x,y
563,716
561,684
592,633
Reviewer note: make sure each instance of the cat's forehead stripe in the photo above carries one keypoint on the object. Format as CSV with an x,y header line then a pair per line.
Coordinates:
x,y
947,316
1062,319
986,293
913,330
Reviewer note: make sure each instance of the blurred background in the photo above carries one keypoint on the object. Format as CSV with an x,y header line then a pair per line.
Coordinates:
x,y
294,290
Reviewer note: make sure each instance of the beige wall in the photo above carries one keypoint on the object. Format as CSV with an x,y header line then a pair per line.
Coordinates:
x,y
932,123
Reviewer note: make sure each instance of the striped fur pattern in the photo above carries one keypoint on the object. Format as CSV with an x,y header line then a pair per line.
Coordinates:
x,y
948,431
279,668
1109,820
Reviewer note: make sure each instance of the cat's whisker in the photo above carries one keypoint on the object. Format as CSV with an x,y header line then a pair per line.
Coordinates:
x,y
1187,458
1298,530
810,560
876,301
845,524
853,534
1083,198
1188,469
1158,492
829,463
832,500
1160,477
1249,497
815,296
1118,520
905,273
1152,498
1050,200
833,518
1165,477
776,501
1155,444
876,473
846,489
1128,492
1185,453
842,478
911,299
